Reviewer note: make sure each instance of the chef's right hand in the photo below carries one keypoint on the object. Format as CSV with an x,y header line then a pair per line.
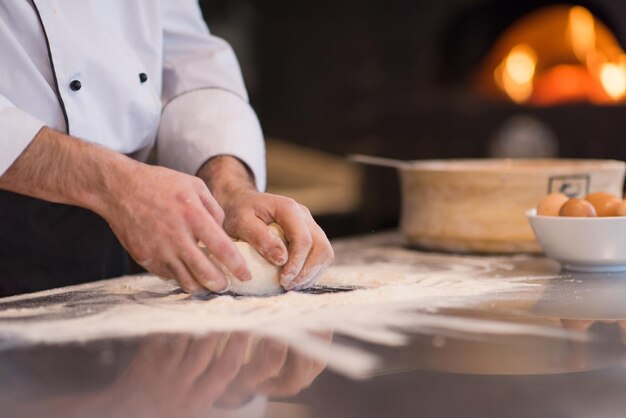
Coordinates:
x,y
159,215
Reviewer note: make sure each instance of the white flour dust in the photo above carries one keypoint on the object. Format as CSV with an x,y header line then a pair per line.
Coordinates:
x,y
396,292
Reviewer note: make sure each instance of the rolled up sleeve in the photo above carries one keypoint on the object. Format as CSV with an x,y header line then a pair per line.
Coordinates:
x,y
17,130
206,111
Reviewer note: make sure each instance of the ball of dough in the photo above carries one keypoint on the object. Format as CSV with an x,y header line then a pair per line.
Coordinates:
x,y
265,275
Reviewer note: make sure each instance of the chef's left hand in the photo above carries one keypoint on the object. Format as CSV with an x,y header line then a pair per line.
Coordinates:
x,y
249,212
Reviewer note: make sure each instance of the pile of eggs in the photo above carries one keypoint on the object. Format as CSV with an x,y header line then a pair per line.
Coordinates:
x,y
593,205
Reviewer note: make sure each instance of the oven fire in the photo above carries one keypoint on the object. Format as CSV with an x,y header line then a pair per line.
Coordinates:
x,y
558,54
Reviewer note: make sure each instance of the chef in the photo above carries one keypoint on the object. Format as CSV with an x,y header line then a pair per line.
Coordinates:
x,y
88,89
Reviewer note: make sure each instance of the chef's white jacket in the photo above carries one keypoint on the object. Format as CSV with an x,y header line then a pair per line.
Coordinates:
x,y
125,74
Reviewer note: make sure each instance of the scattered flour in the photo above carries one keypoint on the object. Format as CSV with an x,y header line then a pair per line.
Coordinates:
x,y
396,292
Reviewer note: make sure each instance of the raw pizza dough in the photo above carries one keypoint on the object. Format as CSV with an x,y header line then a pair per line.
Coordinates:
x,y
265,275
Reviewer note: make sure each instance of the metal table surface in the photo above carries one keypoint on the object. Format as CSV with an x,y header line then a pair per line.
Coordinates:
x,y
553,347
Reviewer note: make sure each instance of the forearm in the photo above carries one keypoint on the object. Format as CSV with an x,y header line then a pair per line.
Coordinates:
x,y
62,169
226,176
158,214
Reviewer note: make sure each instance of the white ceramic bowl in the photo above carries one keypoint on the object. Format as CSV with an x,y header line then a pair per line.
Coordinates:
x,y
582,244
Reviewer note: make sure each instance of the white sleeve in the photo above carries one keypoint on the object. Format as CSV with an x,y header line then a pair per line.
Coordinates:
x,y
17,130
206,111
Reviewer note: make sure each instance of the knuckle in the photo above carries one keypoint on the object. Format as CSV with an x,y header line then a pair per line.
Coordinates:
x,y
141,255
305,210
287,203
182,196
190,216
291,204
192,183
186,256
225,249
197,183
306,240
219,214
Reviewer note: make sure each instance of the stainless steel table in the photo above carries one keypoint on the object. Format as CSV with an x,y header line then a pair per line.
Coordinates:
x,y
549,344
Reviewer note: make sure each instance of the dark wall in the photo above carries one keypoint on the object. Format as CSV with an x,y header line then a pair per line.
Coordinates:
x,y
389,77
383,76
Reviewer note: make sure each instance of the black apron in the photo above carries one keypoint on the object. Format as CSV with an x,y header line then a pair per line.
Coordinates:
x,y
45,245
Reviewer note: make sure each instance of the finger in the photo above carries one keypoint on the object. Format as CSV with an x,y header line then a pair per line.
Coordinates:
x,y
211,205
313,279
267,243
203,270
318,259
300,241
220,246
179,272
157,269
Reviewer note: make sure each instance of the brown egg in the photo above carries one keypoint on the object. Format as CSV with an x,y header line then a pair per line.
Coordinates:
x,y
604,203
577,207
621,209
551,204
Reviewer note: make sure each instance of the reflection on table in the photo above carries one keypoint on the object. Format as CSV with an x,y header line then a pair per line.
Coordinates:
x,y
214,375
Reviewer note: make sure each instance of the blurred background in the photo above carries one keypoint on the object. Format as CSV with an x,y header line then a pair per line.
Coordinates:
x,y
416,79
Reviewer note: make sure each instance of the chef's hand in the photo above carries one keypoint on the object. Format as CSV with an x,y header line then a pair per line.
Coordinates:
x,y
248,212
158,214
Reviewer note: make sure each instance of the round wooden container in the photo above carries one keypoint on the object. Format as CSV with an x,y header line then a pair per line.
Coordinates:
x,y
479,205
